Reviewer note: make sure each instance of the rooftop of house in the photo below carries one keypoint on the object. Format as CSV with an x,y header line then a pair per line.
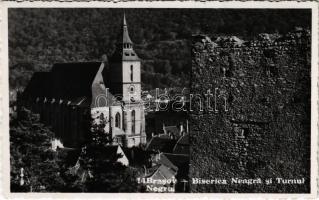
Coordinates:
x,y
161,172
181,161
182,145
163,160
137,156
173,130
161,144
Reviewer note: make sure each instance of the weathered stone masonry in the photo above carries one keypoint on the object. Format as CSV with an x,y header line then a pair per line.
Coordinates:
x,y
266,131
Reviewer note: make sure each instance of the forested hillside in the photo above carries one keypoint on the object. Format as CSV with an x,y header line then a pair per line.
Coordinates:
x,y
38,38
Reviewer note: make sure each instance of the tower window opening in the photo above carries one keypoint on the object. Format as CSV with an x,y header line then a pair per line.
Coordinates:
x,y
131,72
124,121
118,120
133,121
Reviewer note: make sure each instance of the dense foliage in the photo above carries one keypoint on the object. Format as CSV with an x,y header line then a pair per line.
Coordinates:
x,y
103,172
34,166
39,38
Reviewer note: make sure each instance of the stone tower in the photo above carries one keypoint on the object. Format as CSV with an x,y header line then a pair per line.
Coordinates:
x,y
125,82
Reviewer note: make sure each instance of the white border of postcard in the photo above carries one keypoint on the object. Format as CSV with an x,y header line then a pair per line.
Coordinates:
x,y
4,98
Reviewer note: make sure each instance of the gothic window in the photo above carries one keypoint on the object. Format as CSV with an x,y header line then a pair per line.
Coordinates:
x,y
131,72
117,120
133,121
124,121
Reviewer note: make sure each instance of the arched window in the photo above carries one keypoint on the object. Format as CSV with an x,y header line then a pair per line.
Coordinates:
x,y
133,121
131,72
124,120
118,120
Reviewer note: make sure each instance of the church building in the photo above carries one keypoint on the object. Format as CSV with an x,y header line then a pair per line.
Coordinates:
x,y
74,96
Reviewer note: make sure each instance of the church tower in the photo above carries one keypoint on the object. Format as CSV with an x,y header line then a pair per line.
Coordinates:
x,y
125,73
125,81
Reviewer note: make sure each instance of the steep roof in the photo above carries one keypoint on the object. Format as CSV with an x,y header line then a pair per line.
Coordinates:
x,y
163,160
126,37
161,144
71,80
121,53
181,161
161,172
39,85
172,130
137,156
182,145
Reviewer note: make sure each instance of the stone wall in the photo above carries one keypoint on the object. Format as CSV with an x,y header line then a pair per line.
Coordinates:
x,y
69,122
264,132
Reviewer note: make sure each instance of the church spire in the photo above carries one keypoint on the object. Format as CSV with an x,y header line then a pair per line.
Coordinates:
x,y
124,20
126,37
124,49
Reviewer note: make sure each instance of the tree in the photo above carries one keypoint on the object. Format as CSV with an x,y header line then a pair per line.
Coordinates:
x,y
34,165
101,171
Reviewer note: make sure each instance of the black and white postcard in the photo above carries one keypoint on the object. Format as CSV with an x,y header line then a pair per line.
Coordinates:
x,y
203,99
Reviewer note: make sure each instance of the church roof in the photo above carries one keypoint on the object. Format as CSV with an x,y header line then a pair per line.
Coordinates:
x,y
39,85
70,82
